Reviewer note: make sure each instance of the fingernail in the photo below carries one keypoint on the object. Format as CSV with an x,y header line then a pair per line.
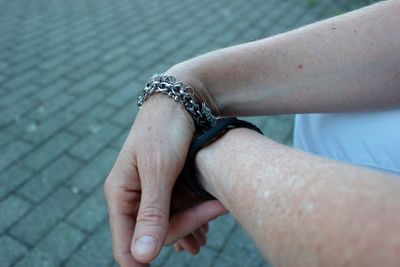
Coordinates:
x,y
145,245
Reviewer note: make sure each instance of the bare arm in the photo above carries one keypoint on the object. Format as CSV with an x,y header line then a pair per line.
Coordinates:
x,y
348,62
303,210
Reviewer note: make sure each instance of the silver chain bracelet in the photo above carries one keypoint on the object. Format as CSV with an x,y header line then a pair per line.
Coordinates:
x,y
167,85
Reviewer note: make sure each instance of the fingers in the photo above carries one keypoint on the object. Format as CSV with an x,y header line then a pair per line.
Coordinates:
x,y
192,242
122,199
201,236
152,219
187,221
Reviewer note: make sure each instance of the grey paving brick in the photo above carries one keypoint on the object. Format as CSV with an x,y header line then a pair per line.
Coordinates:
x,y
165,253
10,250
29,76
117,65
239,254
43,217
95,172
220,231
279,128
124,95
51,89
37,132
13,151
13,178
125,116
99,245
55,248
49,150
48,179
17,94
85,103
6,138
120,139
92,121
184,259
12,209
89,83
114,53
15,112
51,106
87,147
91,212
121,79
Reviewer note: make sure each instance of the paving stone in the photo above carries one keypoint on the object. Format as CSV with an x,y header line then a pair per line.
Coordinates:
x,y
87,147
49,150
13,151
12,209
44,216
47,180
10,250
89,83
95,252
92,121
51,90
50,107
220,231
203,259
55,248
6,138
122,79
279,128
29,76
91,212
120,140
239,254
125,116
95,172
165,253
13,178
124,95
37,132
17,94
15,112
117,65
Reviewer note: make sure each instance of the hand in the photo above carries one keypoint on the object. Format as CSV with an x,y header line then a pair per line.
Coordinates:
x,y
189,219
138,188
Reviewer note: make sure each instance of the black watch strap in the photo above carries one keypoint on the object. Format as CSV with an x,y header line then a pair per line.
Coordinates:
x,y
202,140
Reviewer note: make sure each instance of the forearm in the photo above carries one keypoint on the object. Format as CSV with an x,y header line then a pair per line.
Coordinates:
x,y
303,210
349,62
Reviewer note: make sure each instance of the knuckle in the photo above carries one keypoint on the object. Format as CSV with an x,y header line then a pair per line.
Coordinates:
x,y
151,216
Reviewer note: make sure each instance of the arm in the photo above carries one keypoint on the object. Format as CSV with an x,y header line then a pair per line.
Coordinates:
x,y
348,62
303,210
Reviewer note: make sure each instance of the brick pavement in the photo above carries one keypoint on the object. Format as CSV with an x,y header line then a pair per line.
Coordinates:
x,y
69,74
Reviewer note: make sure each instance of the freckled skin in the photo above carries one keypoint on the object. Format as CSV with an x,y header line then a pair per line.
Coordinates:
x,y
318,212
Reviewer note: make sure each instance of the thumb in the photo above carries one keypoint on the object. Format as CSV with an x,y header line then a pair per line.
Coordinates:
x,y
152,221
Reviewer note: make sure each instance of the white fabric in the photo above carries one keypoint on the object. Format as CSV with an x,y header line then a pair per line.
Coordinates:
x,y
370,139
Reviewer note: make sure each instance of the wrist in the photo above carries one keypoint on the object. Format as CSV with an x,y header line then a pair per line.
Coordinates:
x,y
217,180
187,73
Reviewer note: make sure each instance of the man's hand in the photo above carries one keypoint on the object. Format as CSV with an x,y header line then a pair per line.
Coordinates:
x,y
138,188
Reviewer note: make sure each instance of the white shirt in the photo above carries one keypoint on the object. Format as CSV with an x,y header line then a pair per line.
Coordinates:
x,y
370,139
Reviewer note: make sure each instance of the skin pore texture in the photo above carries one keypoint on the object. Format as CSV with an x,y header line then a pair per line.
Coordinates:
x,y
304,210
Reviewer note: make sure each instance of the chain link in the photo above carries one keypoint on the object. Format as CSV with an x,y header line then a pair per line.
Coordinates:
x,y
167,85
